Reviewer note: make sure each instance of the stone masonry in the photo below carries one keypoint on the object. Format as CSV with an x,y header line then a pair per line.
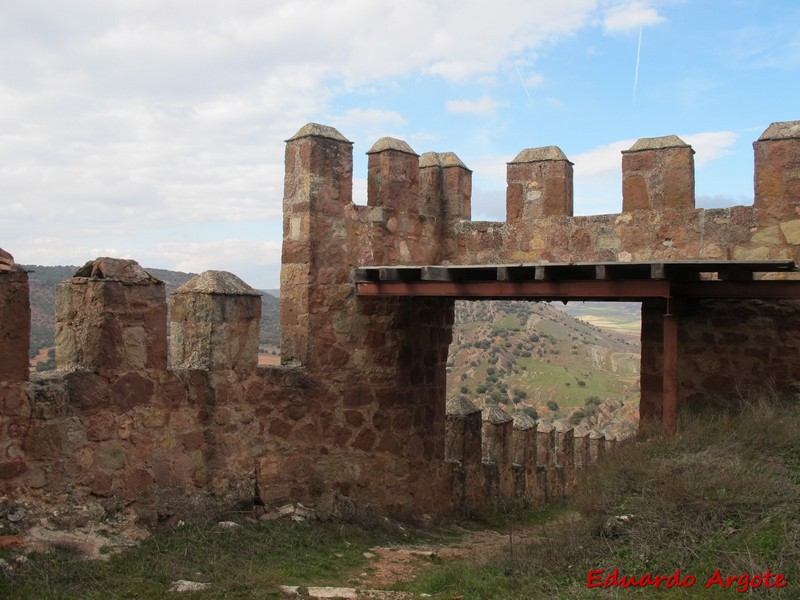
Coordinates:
x,y
357,409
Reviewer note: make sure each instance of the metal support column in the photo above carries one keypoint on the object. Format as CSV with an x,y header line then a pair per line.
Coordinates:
x,y
669,406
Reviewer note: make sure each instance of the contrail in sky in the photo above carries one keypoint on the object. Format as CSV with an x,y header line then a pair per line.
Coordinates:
x,y
636,73
525,87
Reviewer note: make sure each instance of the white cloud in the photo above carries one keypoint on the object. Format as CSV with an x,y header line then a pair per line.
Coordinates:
x,y
359,117
482,106
598,178
630,16
710,145
124,118
222,254
603,159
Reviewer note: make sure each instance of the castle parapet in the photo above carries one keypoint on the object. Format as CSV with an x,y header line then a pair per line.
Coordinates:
x,y
597,447
318,189
539,185
463,432
15,320
497,428
15,410
658,173
777,170
524,460
111,318
393,176
214,323
445,187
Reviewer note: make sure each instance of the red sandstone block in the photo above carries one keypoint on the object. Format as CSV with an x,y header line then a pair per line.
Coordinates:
x,y
12,469
131,390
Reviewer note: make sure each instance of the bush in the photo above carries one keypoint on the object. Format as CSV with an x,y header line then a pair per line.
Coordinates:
x,y
531,412
552,405
593,400
576,417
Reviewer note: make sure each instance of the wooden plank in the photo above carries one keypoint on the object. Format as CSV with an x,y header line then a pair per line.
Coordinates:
x,y
399,273
735,273
365,274
437,273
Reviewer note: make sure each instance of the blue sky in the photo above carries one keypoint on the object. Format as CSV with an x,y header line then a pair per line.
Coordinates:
x,y
155,130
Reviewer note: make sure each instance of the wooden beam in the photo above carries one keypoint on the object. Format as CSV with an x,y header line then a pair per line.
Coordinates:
x,y
540,290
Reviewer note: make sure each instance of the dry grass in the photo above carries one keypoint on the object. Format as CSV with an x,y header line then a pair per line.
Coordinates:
x,y
723,494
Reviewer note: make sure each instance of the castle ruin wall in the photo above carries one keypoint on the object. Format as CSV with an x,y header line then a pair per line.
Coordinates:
x,y
358,406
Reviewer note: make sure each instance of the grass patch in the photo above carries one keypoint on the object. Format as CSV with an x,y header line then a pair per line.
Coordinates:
x,y
247,562
553,380
723,494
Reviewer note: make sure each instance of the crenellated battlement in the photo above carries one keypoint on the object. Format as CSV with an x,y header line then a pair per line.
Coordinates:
x,y
418,207
358,406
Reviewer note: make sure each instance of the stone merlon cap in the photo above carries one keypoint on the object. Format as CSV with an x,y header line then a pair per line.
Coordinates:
x,y
523,421
658,143
116,269
317,130
461,407
596,435
544,426
217,282
388,143
784,130
7,262
441,159
581,431
562,426
496,416
539,154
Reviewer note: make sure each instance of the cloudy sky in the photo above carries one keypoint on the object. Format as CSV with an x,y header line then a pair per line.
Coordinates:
x,y
155,130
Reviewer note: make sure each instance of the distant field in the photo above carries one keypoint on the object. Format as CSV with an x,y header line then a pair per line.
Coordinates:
x,y
568,385
625,317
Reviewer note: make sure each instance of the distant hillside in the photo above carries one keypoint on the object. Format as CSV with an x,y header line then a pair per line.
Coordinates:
x,y
534,357
43,282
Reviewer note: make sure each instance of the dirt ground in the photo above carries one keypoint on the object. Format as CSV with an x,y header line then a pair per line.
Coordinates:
x,y
391,565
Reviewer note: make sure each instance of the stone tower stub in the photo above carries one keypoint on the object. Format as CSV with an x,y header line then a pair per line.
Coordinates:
x,y
214,323
393,176
777,169
539,185
658,173
318,188
111,317
15,320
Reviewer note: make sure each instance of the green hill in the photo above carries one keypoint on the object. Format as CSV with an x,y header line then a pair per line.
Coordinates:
x,y
43,282
534,357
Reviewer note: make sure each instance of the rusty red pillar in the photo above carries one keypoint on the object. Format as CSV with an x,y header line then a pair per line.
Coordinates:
x,y
669,406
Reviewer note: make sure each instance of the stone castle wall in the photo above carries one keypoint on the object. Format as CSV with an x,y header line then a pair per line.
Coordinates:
x,y
358,406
